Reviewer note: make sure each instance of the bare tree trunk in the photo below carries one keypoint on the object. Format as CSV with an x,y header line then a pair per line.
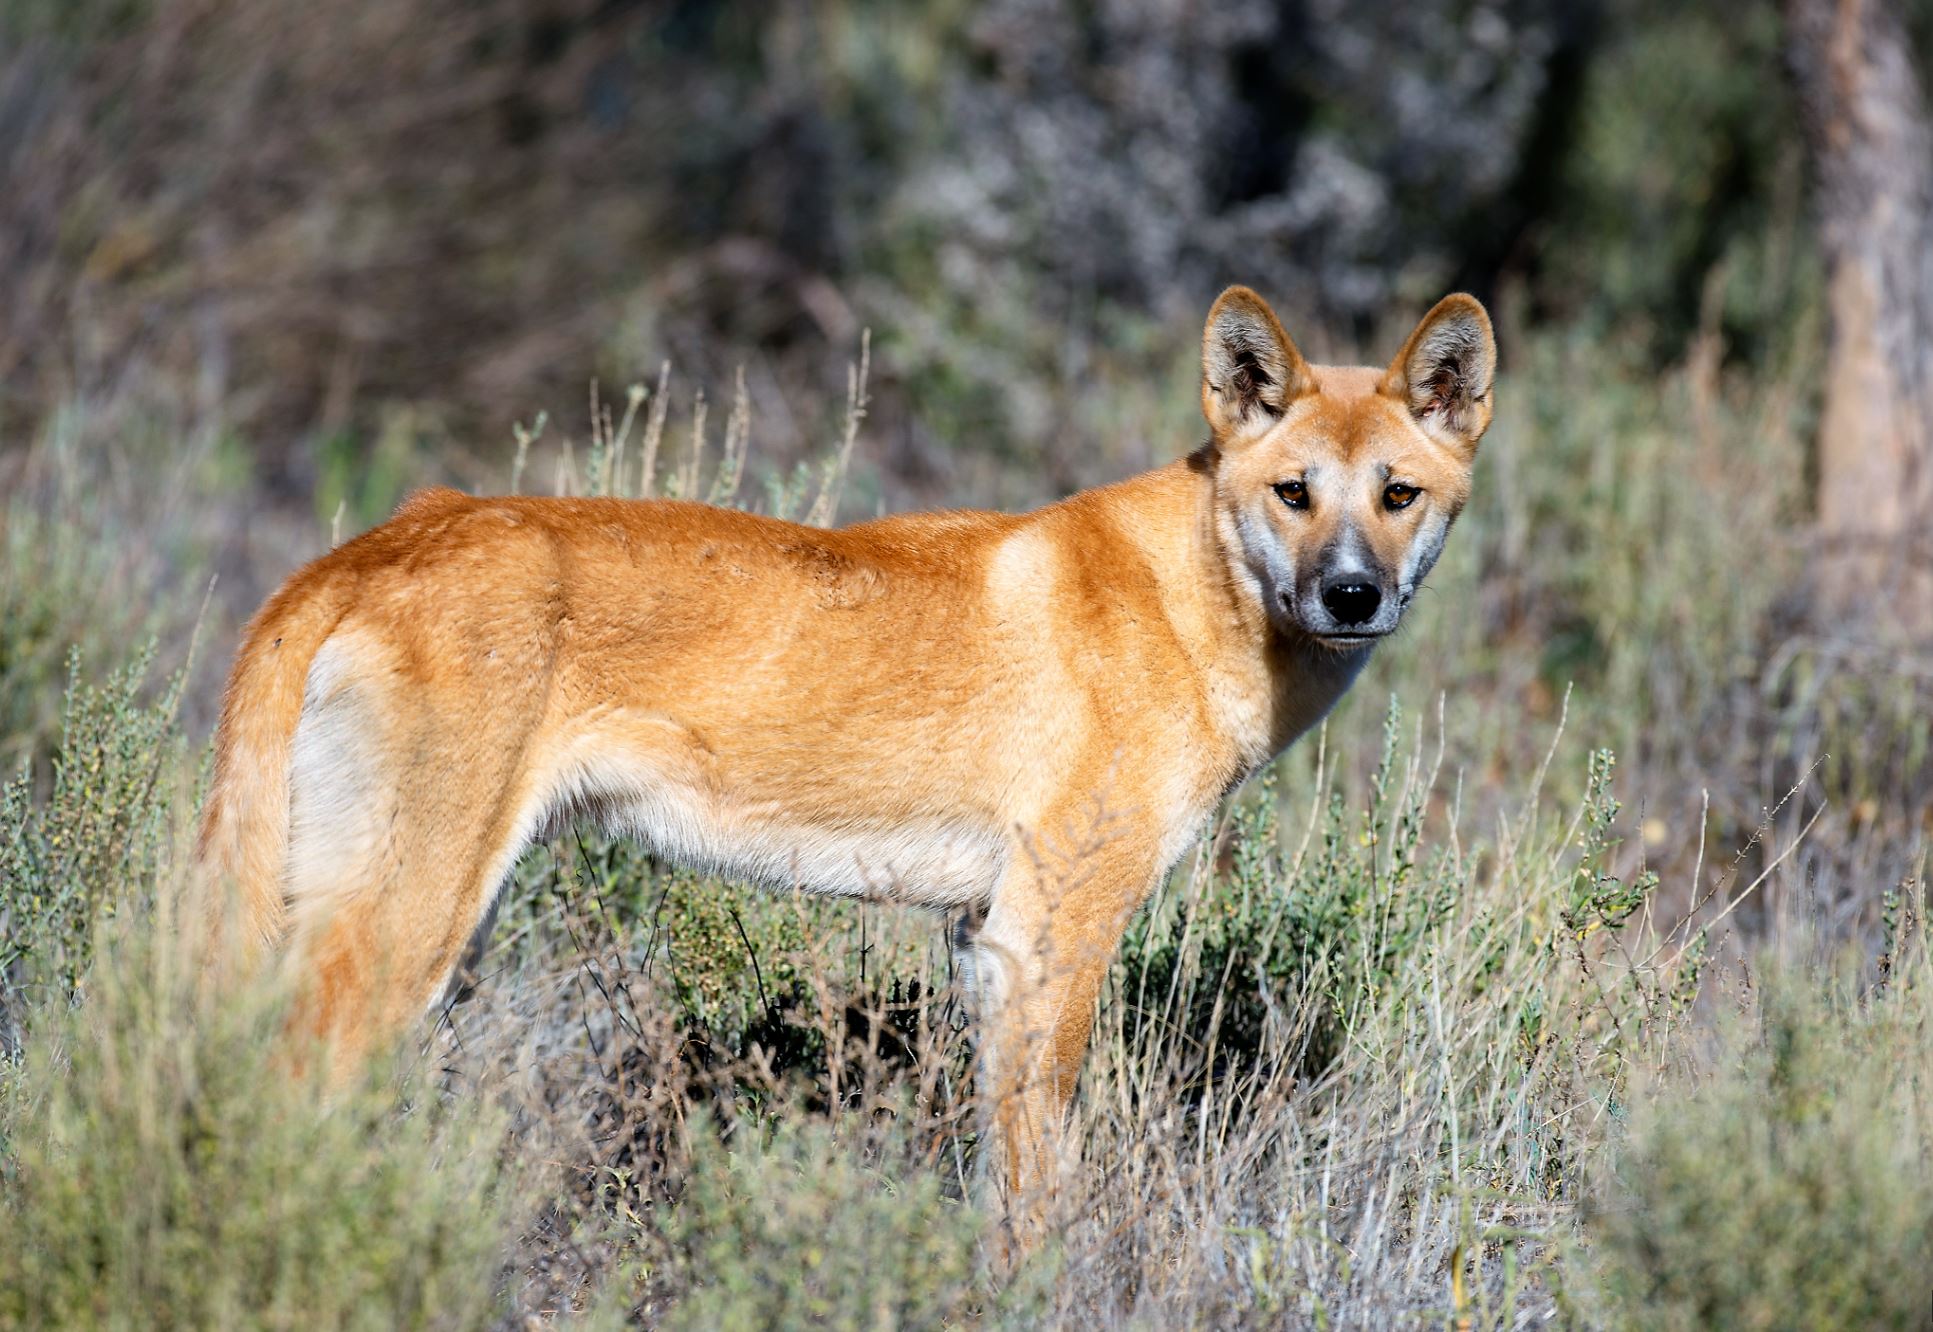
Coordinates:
x,y
1872,147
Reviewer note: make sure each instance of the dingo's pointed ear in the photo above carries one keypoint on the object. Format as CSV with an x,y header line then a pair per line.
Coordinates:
x,y
1444,372
1250,371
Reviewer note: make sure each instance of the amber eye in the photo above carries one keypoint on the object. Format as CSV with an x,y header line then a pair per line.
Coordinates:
x,y
1399,496
1293,493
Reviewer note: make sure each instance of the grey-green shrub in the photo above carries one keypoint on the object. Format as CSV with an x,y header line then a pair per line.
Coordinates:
x,y
792,1224
1789,1183
165,1163
93,841
163,1157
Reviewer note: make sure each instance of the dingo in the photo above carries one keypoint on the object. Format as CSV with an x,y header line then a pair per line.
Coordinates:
x,y
1027,717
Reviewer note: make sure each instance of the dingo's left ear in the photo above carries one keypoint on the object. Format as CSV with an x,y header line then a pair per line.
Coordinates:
x,y
1444,372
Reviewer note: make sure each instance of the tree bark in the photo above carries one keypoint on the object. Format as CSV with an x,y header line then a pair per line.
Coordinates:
x,y
1872,149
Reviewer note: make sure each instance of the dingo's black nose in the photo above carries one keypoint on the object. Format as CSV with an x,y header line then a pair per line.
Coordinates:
x,y
1352,603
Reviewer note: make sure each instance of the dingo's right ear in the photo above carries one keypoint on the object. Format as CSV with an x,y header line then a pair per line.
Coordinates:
x,y
1250,371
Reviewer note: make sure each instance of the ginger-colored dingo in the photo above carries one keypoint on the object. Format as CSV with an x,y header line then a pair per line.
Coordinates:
x,y
1028,716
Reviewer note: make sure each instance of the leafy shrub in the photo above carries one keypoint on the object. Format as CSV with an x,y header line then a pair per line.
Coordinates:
x,y
1339,930
97,838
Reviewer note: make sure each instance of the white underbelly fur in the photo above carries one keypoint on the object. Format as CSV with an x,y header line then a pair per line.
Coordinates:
x,y
925,862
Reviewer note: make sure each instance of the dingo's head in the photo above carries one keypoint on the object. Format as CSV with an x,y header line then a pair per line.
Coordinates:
x,y
1335,485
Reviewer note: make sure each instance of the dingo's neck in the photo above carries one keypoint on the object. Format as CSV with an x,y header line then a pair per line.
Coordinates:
x,y
1265,687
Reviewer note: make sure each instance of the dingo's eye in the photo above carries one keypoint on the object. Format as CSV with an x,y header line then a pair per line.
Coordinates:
x,y
1292,493
1399,496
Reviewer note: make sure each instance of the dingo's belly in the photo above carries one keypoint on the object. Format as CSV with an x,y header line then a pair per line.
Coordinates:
x,y
650,779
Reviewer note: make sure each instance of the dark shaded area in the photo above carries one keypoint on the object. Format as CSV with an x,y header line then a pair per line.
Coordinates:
x,y
1506,240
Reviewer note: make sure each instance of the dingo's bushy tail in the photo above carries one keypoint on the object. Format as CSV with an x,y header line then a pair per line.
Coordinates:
x,y
245,828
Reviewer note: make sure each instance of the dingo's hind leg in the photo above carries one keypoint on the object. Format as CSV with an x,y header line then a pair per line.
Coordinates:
x,y
403,825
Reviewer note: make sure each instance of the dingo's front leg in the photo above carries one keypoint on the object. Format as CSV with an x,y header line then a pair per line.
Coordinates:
x,y
1037,965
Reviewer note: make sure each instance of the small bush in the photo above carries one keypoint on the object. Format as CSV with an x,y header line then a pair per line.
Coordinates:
x,y
162,1166
791,1224
161,1159
1338,933
1791,1185
94,840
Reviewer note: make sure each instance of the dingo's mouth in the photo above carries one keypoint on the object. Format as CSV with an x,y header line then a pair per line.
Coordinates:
x,y
1348,640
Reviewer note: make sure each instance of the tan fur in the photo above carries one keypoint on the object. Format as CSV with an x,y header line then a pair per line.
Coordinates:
x,y
1027,717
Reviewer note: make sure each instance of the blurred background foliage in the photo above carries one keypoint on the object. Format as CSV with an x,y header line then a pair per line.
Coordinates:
x,y
333,226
